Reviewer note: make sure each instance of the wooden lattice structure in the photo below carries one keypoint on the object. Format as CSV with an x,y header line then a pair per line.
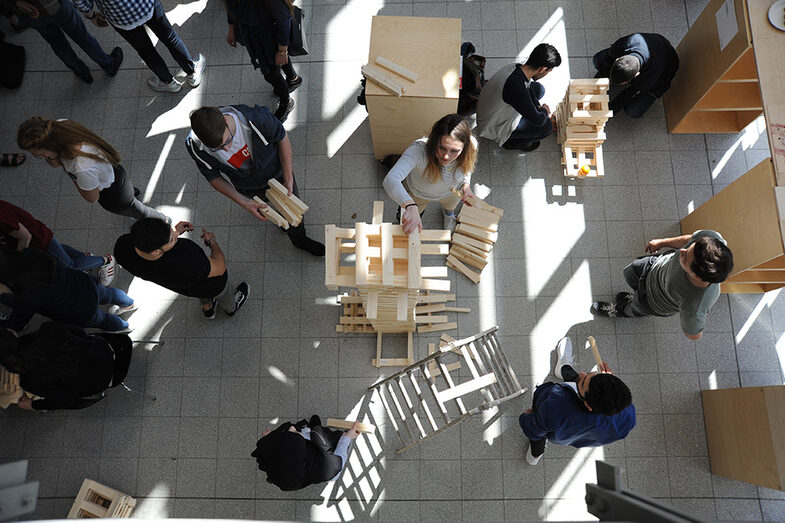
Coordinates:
x,y
417,391
9,381
99,501
474,237
387,272
580,120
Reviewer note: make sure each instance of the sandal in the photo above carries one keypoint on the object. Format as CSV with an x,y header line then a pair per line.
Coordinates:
x,y
12,159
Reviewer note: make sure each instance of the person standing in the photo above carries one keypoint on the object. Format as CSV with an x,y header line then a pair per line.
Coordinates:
x,y
129,18
92,164
684,281
645,62
53,22
581,410
263,28
19,230
154,252
238,149
509,110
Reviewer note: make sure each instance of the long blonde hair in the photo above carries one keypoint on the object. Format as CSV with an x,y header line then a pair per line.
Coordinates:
x,y
63,138
455,126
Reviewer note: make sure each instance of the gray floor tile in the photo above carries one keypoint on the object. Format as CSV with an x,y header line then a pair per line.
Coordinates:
x,y
198,438
738,509
196,477
648,476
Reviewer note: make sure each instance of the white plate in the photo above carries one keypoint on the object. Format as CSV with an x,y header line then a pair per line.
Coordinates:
x,y
777,14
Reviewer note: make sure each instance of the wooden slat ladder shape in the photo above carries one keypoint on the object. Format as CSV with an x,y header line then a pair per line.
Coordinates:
x,y
491,375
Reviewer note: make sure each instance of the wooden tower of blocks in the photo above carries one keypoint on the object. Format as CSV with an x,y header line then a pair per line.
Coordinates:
x,y
580,118
474,237
386,271
99,501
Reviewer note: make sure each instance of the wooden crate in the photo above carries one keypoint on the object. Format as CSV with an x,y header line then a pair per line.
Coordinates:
x,y
95,500
577,156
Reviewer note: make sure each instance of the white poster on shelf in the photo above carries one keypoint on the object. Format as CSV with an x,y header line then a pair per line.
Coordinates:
x,y
727,25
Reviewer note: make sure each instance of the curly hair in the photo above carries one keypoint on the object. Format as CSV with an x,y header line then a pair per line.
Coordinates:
x,y
607,394
63,137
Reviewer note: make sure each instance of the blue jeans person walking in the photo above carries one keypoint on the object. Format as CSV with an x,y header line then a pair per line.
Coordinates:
x,y
66,21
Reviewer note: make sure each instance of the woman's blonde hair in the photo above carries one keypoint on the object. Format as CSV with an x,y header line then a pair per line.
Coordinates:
x,y
63,138
456,127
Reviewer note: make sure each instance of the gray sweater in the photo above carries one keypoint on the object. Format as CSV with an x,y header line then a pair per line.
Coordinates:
x,y
496,119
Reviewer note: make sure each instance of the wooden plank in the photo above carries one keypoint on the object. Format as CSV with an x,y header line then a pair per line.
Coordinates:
x,y
277,201
378,212
361,264
379,77
378,349
433,272
397,69
460,267
403,306
483,381
434,248
479,215
292,200
457,309
414,281
450,325
365,428
430,318
435,298
474,244
425,309
435,235
271,215
478,233
430,284
391,362
371,310
387,255
468,258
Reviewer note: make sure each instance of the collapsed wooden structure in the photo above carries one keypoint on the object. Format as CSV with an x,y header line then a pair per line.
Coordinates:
x,y
99,501
580,120
415,391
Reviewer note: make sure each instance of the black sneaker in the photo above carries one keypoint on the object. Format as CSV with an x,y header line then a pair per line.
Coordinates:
x,y
312,247
86,78
210,313
294,83
282,113
603,309
117,59
240,295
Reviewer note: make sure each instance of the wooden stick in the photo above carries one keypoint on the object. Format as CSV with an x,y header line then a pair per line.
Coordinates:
x,y
271,215
377,76
293,201
397,69
595,351
438,327
366,428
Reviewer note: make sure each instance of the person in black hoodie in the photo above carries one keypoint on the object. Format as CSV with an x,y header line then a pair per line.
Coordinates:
x,y
297,455
62,365
645,62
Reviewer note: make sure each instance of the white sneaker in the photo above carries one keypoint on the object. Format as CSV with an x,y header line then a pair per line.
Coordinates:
x,y
530,459
450,221
157,85
117,310
106,272
195,78
564,357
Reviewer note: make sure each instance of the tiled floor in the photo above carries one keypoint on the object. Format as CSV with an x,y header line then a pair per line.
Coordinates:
x,y
220,383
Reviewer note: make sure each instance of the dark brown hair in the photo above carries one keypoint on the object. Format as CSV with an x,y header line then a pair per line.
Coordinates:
x,y
209,125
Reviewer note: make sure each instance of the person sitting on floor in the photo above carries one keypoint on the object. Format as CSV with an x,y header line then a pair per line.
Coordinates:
x,y
645,62
63,365
509,110
297,455
581,410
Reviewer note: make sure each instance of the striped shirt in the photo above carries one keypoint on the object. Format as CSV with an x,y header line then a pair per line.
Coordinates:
x,y
123,14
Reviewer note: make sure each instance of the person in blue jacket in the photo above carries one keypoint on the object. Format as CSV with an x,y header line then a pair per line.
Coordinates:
x,y
583,410
263,28
643,62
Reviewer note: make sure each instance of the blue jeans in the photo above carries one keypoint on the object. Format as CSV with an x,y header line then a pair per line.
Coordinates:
x,y
525,132
161,28
104,320
66,21
73,258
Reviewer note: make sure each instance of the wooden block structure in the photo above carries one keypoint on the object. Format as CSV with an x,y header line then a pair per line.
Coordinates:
x,y
749,444
9,381
474,238
99,501
290,207
580,119
388,274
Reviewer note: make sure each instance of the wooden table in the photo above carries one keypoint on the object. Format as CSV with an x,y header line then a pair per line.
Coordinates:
x,y
749,213
430,47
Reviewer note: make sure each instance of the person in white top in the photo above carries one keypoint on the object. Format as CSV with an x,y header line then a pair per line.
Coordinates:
x,y
431,169
92,164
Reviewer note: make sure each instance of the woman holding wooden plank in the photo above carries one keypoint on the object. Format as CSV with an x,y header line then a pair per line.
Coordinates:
x,y
430,169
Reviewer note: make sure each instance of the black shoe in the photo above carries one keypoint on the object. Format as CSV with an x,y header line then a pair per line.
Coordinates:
x,y
210,313
295,83
86,78
315,421
603,309
240,295
311,246
137,192
526,147
282,113
117,59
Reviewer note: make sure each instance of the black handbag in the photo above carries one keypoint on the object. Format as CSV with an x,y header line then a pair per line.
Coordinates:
x,y
298,46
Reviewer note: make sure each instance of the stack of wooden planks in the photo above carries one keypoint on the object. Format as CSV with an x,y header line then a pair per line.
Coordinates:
x,y
474,237
282,209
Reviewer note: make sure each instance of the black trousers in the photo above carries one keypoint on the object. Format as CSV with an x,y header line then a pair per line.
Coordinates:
x,y
119,198
296,234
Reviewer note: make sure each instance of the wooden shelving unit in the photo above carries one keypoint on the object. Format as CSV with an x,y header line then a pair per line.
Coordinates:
x,y
714,91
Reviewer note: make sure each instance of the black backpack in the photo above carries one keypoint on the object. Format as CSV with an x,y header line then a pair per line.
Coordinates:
x,y
472,79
